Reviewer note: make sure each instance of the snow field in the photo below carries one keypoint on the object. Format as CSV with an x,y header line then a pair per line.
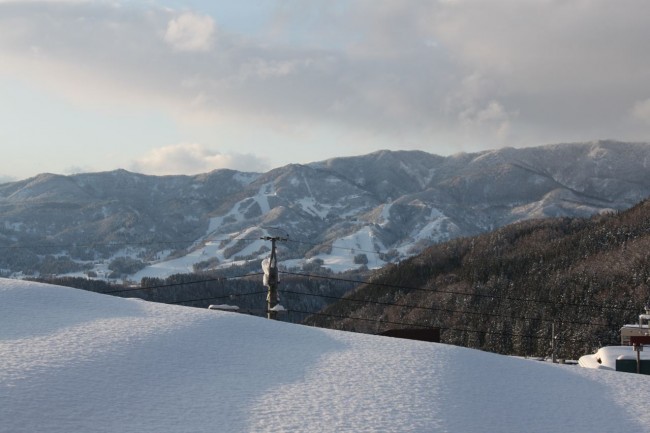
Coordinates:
x,y
79,361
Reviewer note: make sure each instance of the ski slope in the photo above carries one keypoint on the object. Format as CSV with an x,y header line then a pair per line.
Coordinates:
x,y
75,361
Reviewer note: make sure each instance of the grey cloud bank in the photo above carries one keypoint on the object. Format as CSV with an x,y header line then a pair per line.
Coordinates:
x,y
439,76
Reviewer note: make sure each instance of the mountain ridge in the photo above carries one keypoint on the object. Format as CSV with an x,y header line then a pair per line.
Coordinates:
x,y
387,205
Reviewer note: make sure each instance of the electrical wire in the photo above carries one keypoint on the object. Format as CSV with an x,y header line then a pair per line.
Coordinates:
x,y
444,310
452,292
442,329
262,292
346,299
365,319
379,321
164,286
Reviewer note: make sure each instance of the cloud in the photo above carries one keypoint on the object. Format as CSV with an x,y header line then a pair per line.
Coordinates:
x,y
190,32
393,72
566,67
76,169
44,1
98,52
7,179
492,120
193,158
641,111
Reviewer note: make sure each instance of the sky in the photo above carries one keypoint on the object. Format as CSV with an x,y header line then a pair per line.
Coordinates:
x,y
185,87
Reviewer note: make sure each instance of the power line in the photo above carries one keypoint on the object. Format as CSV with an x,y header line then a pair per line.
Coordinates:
x,y
339,298
365,319
163,286
500,333
380,321
444,310
220,297
452,292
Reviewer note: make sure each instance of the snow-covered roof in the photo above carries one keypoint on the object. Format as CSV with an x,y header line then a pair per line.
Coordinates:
x,y
75,361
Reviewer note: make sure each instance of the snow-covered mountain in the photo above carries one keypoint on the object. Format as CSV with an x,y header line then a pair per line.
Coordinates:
x,y
341,213
75,361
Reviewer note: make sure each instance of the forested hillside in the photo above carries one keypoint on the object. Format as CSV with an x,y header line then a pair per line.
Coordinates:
x,y
502,291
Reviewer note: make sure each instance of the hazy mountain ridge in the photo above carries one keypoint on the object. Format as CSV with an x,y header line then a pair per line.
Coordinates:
x,y
386,205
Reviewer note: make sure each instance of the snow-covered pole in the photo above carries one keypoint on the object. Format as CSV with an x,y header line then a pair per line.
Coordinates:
x,y
270,267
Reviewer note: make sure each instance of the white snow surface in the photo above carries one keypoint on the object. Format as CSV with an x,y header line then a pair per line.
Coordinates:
x,y
75,361
363,241
605,357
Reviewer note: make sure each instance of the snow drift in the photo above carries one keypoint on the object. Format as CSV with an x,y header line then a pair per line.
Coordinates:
x,y
84,362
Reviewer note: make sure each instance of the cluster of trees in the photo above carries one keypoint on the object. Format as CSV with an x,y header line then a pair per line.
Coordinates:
x,y
503,290
98,286
31,263
124,265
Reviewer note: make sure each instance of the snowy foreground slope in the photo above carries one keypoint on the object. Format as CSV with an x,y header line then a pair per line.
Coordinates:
x,y
74,361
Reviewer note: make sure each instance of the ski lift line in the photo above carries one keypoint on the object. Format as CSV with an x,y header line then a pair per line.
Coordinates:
x,y
219,297
445,310
164,286
452,292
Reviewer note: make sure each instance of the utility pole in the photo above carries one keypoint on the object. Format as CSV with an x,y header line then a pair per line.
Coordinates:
x,y
553,345
270,267
638,348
